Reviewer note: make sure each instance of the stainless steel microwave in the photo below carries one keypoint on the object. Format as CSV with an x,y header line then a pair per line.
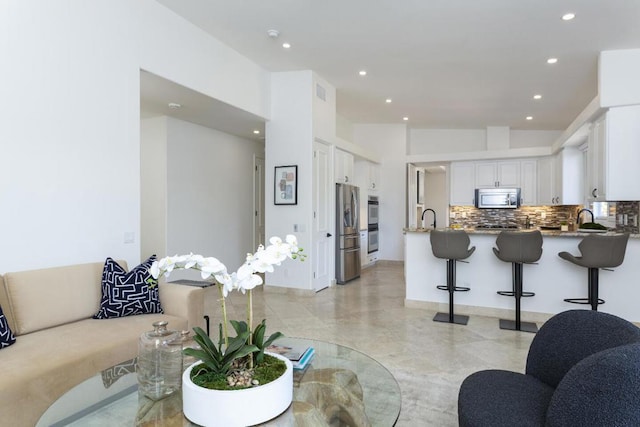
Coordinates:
x,y
497,198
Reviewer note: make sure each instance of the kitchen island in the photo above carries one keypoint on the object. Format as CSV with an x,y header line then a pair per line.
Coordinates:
x,y
552,279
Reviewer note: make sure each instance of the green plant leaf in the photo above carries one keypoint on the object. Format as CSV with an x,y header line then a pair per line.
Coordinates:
x,y
258,334
274,336
239,326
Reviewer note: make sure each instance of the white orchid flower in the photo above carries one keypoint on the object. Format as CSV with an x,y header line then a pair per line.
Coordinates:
x,y
210,266
262,261
193,261
227,281
246,279
167,264
155,270
293,243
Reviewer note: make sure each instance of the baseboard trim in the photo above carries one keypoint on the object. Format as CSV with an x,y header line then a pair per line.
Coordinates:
x,y
281,290
505,313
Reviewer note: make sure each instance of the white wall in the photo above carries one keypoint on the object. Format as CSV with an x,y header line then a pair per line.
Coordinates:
x,y
172,47
429,141
153,187
200,199
439,141
70,182
210,192
618,82
389,142
436,198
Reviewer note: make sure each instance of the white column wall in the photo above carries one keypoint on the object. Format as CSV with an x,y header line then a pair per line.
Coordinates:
x,y
389,142
289,136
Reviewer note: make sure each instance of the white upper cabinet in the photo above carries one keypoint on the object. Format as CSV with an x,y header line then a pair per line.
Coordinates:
x,y
546,183
462,183
467,176
374,177
498,174
613,155
596,157
528,182
568,177
343,167
560,178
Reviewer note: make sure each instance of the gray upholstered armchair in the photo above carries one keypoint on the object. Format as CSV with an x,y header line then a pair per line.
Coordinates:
x,y
583,369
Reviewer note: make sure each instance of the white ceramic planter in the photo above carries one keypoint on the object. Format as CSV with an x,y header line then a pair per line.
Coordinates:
x,y
230,408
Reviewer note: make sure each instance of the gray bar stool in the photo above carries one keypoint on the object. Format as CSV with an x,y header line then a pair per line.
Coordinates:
x,y
452,245
518,248
597,252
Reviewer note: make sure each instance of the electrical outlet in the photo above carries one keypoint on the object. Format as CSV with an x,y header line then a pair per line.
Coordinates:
x,y
452,215
464,215
543,215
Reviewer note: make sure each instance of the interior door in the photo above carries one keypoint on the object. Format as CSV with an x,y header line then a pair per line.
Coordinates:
x,y
258,202
322,239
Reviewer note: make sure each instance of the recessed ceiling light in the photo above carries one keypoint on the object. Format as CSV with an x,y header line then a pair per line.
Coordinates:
x,y
388,100
568,16
286,45
552,60
537,96
174,105
529,117
362,73
405,118
257,132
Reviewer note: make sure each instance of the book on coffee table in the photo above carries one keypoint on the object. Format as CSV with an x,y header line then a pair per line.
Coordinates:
x,y
299,354
293,352
304,360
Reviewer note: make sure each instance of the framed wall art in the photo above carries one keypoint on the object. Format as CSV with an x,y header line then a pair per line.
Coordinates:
x,y
286,185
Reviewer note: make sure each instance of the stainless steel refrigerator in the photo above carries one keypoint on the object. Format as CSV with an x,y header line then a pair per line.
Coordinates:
x,y
347,233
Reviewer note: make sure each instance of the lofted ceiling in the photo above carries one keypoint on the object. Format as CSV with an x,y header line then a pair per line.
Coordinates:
x,y
443,63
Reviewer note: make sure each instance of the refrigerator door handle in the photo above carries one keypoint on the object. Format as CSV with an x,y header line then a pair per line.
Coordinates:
x,y
356,209
351,250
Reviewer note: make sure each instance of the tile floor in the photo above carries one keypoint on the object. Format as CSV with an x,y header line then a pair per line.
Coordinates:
x,y
428,359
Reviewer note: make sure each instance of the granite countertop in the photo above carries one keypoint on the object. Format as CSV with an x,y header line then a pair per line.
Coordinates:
x,y
550,233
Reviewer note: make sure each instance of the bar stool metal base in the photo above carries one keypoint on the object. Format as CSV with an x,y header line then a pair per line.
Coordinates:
x,y
458,319
524,326
593,299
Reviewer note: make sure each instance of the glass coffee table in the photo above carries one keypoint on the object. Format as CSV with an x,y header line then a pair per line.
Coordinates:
x,y
111,398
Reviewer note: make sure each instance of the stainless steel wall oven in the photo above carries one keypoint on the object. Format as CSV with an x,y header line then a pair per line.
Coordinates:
x,y
372,214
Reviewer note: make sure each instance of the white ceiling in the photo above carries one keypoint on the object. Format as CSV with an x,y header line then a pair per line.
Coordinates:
x,y
445,63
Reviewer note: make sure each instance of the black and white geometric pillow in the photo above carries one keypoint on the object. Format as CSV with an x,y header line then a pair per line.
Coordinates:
x,y
6,336
128,294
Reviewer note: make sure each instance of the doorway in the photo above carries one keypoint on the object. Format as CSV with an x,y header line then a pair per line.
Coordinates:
x,y
258,201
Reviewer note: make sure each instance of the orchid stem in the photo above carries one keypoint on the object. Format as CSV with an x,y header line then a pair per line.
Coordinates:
x,y
250,323
223,303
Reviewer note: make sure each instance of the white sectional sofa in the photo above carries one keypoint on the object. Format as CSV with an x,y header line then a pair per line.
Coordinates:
x,y
58,343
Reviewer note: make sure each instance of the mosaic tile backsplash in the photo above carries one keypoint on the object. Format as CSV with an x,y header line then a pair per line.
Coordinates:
x,y
550,216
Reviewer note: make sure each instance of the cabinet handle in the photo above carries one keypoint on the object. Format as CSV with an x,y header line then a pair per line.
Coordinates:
x,y
373,185
594,193
346,178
